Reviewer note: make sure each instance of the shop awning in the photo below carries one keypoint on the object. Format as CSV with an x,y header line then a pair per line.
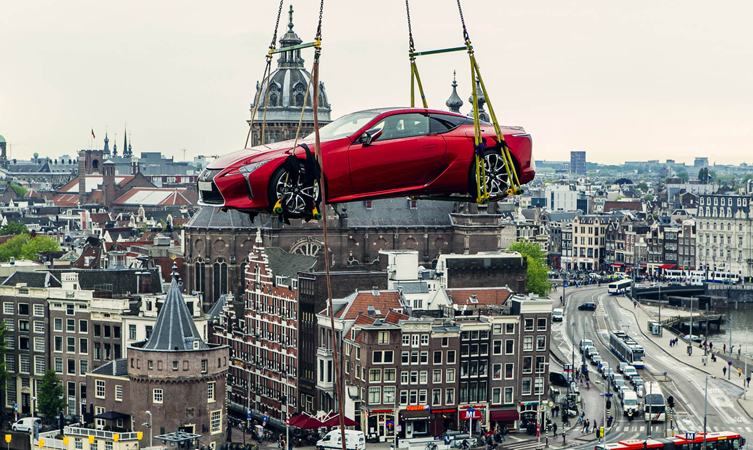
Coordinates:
x,y
416,415
335,422
111,415
667,266
617,265
501,416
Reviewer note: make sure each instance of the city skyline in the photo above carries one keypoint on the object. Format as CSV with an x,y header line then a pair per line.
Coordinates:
x,y
621,83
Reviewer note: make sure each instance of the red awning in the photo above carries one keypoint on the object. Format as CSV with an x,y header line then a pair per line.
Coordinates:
x,y
305,422
617,265
335,422
667,266
502,416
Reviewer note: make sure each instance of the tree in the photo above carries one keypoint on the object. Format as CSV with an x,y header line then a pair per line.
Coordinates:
x,y
683,175
537,275
13,228
50,395
19,190
703,175
643,186
648,197
26,247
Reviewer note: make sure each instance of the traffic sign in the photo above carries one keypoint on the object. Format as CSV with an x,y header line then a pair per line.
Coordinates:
x,y
689,436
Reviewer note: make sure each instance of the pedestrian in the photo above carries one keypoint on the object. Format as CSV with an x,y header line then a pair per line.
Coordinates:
x,y
724,348
595,427
748,380
732,350
711,346
554,428
738,351
724,370
739,372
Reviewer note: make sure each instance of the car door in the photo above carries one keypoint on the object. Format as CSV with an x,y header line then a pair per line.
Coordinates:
x,y
405,155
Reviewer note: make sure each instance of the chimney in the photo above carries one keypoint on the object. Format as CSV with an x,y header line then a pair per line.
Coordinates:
x,y
370,311
114,373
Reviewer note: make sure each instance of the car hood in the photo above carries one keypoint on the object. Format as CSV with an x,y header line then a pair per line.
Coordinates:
x,y
258,153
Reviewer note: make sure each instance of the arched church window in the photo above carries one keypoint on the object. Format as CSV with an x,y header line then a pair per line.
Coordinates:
x,y
273,100
95,164
199,275
219,278
299,100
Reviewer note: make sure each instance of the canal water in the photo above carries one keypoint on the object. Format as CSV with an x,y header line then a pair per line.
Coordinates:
x,y
741,324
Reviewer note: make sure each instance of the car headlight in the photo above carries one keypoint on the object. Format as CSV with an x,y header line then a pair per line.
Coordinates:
x,y
245,170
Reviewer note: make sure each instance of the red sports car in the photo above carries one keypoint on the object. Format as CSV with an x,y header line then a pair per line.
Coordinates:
x,y
372,154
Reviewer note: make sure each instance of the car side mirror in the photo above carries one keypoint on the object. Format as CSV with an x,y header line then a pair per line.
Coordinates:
x,y
370,136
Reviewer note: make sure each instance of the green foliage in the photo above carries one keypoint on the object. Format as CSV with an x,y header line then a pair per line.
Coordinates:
x,y
537,275
643,186
50,395
703,175
683,175
648,197
13,228
26,247
19,190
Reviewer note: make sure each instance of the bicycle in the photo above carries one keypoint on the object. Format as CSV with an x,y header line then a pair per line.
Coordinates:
x,y
431,446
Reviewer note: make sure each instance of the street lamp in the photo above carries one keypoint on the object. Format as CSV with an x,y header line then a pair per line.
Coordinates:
x,y
607,396
705,403
149,413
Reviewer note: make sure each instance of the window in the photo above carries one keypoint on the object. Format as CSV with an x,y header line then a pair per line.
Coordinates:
x,y
216,421
527,364
132,332
508,395
400,126
38,326
445,342
384,337
59,365
540,343
39,344
210,391
108,444
540,364
375,375
406,339
175,365
414,357
23,309
23,325
25,364
464,350
375,394
449,396
538,386
8,309
69,309
403,397
528,343
424,339
438,357
84,366
496,396
97,330
382,357
39,310
497,347
10,343
79,443
71,345
422,397
39,365
541,324
414,339
414,377
10,362
389,395
83,326
436,376
450,356
119,393
70,325
405,357
83,346
157,395
450,375
526,387
509,328
497,328
58,324
528,325
497,371
424,357
100,389
423,377
389,374
149,331
71,366
509,371
436,397
509,347
203,365
404,377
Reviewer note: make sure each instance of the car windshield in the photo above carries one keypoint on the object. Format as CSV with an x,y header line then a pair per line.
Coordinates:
x,y
631,402
346,125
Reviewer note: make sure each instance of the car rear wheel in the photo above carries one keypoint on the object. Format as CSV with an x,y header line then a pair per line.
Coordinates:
x,y
496,178
296,197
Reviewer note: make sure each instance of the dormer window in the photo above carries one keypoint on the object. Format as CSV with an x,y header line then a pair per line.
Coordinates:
x,y
196,345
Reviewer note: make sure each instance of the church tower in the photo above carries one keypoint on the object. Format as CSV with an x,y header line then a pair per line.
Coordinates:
x,y
287,92
454,102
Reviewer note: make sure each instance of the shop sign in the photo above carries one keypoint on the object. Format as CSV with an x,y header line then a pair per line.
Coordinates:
x,y
381,411
443,411
417,408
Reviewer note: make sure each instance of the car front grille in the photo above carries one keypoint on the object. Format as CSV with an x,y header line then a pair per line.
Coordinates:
x,y
213,197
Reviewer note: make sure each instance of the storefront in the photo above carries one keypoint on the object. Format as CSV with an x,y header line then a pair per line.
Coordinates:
x,y
414,421
504,418
442,421
379,423
472,416
528,412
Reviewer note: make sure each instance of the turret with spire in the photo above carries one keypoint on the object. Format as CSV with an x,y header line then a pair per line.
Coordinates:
x,y
454,102
481,101
106,150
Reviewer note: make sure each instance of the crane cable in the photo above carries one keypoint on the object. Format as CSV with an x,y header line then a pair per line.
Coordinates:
x,y
267,75
513,182
318,156
414,76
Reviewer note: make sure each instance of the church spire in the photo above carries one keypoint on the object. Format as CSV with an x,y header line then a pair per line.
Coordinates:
x,y
481,101
454,102
106,150
290,18
125,141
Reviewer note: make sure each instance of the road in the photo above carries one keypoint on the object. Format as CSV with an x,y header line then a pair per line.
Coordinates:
x,y
683,382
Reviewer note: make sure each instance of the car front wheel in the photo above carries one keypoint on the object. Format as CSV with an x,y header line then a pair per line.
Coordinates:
x,y
496,177
297,198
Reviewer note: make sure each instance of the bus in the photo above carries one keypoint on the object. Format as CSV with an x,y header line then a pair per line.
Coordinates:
x,y
655,408
722,440
619,287
626,349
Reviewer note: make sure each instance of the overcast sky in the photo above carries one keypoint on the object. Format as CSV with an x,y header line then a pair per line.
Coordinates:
x,y
623,81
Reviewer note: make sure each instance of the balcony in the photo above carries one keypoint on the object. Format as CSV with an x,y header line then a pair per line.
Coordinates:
x,y
324,353
100,434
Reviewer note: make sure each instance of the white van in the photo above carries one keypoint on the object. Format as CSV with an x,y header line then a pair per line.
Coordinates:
x,y
354,440
26,424
585,343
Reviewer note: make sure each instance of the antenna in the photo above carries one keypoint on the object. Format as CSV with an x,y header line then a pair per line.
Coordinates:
x,y
184,153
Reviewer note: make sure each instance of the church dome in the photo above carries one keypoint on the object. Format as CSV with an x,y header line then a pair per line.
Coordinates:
x,y
287,87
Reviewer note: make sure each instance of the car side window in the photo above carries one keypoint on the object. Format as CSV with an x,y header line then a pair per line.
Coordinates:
x,y
442,123
401,126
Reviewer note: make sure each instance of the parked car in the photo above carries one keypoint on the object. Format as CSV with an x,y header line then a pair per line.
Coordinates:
x,y
559,379
607,373
629,372
354,440
621,366
590,351
588,306
637,381
618,383
26,425
585,343
604,366
371,154
616,377
595,359
557,315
